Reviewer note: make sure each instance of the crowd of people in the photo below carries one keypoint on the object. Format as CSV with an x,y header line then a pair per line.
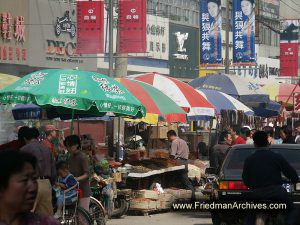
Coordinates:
x,y
244,135
31,171
32,168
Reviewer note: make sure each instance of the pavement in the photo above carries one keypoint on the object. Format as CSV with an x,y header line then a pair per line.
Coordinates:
x,y
168,218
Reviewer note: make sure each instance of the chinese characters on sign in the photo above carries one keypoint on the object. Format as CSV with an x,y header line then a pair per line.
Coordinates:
x,y
7,23
243,31
159,32
210,32
132,26
19,29
67,84
269,9
289,48
106,87
296,101
90,23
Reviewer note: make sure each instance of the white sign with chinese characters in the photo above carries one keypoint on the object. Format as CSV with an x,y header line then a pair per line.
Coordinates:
x,y
67,84
158,37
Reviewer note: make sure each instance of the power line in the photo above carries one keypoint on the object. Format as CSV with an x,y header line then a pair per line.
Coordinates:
x,y
290,6
295,3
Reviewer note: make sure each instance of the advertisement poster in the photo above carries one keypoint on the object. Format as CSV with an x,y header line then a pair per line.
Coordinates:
x,y
210,32
132,26
243,15
289,47
90,25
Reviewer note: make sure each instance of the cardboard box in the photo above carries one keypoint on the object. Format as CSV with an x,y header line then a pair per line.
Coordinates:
x,y
185,194
142,204
180,193
159,132
165,201
149,194
117,177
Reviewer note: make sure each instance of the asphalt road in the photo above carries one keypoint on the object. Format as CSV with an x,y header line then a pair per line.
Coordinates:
x,y
169,218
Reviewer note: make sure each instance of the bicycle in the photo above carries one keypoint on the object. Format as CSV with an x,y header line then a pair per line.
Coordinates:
x,y
72,213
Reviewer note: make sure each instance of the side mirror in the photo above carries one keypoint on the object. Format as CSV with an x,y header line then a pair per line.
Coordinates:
x,y
210,170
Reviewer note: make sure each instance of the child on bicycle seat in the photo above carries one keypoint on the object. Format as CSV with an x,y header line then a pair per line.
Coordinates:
x,y
66,180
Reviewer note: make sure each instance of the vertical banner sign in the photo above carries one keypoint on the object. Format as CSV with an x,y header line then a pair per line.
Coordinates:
x,y
243,27
289,48
297,102
210,32
90,25
132,26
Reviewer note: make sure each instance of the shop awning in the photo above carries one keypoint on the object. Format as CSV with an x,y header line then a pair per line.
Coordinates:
x,y
281,92
269,109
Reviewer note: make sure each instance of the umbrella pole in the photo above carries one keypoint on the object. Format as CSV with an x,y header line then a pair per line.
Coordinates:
x,y
72,122
135,137
78,126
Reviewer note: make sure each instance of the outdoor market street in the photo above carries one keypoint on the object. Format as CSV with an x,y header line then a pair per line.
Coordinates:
x,y
169,218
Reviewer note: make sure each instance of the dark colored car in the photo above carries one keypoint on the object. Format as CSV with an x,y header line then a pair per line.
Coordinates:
x,y
229,186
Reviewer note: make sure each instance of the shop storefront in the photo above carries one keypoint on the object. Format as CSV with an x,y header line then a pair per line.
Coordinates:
x,y
52,37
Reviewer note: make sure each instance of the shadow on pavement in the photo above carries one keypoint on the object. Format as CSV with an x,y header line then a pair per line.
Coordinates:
x,y
195,214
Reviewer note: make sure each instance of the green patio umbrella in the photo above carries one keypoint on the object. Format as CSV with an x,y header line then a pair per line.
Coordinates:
x,y
74,92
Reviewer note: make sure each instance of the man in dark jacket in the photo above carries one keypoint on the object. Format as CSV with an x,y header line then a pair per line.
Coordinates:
x,y
262,173
220,150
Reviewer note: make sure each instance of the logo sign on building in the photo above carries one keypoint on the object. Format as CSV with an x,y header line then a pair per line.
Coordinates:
x,y
12,38
210,32
289,47
243,27
269,9
158,37
296,101
90,24
53,38
181,38
132,26
183,51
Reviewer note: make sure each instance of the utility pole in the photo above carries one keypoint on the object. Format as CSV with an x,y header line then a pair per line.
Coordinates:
x,y
227,39
111,38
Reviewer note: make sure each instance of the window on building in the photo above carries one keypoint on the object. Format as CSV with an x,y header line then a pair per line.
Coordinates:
x,y
151,46
163,47
191,16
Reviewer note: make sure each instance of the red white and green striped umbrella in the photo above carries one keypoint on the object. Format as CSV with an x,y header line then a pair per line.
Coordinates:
x,y
156,102
183,94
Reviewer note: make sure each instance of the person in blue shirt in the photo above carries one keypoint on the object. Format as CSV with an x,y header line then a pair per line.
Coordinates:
x,y
66,180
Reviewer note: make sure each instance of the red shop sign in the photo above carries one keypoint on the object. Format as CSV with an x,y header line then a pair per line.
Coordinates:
x,y
132,26
90,25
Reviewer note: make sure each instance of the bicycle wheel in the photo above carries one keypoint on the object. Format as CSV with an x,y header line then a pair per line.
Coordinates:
x,y
97,212
76,216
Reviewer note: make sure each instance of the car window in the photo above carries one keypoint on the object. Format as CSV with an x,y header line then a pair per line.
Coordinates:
x,y
292,156
234,163
237,158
